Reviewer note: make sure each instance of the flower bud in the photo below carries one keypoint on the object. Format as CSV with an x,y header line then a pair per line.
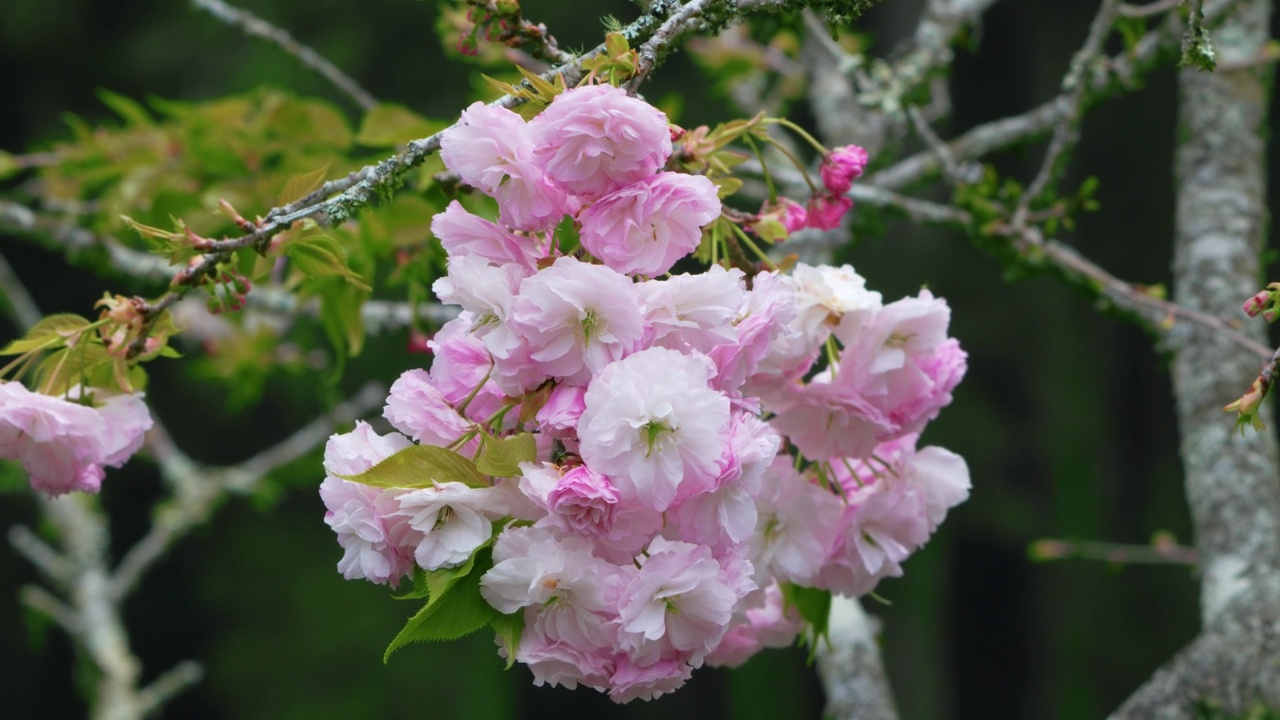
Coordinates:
x,y
1254,305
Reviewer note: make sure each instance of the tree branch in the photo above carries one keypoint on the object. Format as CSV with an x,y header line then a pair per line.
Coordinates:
x,y
257,27
1231,482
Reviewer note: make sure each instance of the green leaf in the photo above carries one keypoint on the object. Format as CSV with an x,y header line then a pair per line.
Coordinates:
x,y
129,110
420,466
299,185
8,165
501,457
509,628
47,334
566,236
813,604
389,125
340,305
321,256
457,609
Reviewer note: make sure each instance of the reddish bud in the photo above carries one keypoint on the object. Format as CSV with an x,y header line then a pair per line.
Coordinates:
x,y
1254,305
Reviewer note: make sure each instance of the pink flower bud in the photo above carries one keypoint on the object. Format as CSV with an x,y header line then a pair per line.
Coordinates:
x,y
1254,305
841,167
825,211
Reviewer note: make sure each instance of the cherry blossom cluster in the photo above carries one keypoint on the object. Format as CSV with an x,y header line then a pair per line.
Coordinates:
x,y
63,443
704,442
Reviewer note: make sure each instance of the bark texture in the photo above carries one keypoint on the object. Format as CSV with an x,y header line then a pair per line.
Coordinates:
x,y
1232,480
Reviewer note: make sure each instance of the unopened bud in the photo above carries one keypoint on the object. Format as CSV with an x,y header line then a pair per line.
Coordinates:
x,y
1254,305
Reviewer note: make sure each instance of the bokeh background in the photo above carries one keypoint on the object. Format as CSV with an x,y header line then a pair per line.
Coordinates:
x,y
1065,417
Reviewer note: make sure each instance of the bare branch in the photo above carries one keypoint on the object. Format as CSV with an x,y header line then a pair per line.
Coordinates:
x,y
377,315
21,307
46,603
257,27
197,489
53,564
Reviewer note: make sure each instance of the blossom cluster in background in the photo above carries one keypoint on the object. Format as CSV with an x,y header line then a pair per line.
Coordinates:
x,y
62,443
703,444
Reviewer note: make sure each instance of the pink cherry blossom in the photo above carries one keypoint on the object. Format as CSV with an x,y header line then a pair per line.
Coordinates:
x,y
883,525
461,233
377,545
799,524
575,594
694,312
632,681
418,409
63,444
595,139
769,625
461,364
452,519
491,149
652,423
559,416
577,318
680,601
645,227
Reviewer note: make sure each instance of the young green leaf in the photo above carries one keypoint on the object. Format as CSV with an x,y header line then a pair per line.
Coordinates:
x,y
420,466
321,256
47,334
501,457
388,125
456,610
299,185
509,628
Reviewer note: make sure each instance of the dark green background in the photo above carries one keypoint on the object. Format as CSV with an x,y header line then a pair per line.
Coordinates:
x,y
1065,416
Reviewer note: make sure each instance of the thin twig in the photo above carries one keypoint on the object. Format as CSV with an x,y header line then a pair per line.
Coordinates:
x,y
257,27
52,563
22,308
198,489
1074,87
52,607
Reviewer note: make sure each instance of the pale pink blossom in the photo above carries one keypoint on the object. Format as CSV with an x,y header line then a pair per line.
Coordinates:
x,y
377,545
491,149
418,409
563,664
577,318
645,227
63,444
559,416
799,524
680,601
824,418
632,681
461,233
770,625
652,423
694,312
453,520
900,361
461,364
594,139
128,420
575,594
484,144
841,167
726,515
883,525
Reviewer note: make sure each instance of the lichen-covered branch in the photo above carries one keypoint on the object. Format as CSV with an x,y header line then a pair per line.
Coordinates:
x,y
1232,482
